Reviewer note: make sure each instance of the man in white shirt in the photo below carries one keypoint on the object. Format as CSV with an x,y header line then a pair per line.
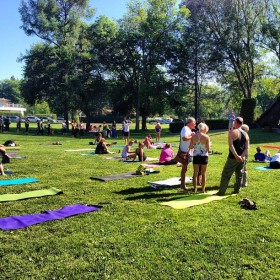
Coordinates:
x,y
185,140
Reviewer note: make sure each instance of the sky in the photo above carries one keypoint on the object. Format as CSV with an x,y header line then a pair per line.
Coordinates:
x,y
14,42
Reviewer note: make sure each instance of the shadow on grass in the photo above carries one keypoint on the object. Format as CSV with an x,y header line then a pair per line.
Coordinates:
x,y
149,192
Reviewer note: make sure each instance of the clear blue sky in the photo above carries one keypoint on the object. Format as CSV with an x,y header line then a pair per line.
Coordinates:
x,y
14,42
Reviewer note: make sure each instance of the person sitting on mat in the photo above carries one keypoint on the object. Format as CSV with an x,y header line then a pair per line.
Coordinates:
x,y
140,152
101,147
275,161
126,152
166,155
148,142
259,156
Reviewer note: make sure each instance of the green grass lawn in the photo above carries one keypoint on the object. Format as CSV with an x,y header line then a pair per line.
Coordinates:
x,y
132,236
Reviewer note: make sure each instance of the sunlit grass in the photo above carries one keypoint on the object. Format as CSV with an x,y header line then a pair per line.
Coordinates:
x,y
133,237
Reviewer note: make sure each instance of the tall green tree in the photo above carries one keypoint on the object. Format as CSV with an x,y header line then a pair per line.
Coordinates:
x,y
233,26
270,28
58,24
10,89
139,60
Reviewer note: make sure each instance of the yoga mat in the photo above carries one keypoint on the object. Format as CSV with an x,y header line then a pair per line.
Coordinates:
x,y
79,150
147,159
16,222
112,158
265,168
153,165
7,172
31,194
271,147
17,181
171,182
193,200
119,176
89,154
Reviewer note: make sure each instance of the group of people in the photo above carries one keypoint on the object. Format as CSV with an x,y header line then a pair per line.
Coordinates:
x,y
195,146
274,162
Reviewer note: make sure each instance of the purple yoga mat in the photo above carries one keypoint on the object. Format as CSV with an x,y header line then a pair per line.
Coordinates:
x,y
16,222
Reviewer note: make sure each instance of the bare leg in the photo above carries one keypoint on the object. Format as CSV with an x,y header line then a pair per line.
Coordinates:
x,y
203,173
195,173
2,169
183,175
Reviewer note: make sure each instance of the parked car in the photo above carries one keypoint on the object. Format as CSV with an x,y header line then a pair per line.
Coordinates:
x,y
60,120
13,119
177,121
32,119
47,119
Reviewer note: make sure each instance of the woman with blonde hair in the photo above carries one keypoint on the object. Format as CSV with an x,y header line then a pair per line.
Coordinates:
x,y
200,143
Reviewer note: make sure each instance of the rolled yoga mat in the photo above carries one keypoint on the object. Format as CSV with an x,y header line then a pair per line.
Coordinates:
x,y
194,199
17,181
17,222
31,194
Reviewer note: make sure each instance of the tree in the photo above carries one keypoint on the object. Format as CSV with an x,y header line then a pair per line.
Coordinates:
x,y
10,89
58,24
139,58
233,26
270,28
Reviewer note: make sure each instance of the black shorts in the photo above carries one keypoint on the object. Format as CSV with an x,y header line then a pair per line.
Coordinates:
x,y
274,165
200,159
126,133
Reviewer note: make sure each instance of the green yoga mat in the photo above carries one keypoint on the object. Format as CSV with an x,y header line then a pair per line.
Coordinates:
x,y
31,194
193,200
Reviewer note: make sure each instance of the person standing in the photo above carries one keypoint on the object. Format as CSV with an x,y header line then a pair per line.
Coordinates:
x,y
238,141
183,152
40,129
26,124
200,143
158,131
126,125
231,119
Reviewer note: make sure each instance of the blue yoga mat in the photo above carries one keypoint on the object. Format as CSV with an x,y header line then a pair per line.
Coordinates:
x,y
17,181
266,168
17,222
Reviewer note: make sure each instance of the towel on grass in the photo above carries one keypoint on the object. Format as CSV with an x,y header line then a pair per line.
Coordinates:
x,y
17,181
171,182
17,222
194,199
30,194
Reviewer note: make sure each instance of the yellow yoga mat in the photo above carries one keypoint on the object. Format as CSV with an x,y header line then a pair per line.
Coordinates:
x,y
194,199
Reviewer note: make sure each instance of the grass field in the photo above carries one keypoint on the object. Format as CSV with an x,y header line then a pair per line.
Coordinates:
x,y
133,236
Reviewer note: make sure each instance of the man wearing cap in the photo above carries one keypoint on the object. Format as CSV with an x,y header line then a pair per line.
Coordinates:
x,y
238,141
185,140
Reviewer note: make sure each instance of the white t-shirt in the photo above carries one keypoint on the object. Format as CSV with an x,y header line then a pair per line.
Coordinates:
x,y
185,132
276,157
126,127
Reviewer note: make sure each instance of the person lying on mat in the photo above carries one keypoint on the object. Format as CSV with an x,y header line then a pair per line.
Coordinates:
x,y
275,161
166,155
140,152
101,147
2,155
127,153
